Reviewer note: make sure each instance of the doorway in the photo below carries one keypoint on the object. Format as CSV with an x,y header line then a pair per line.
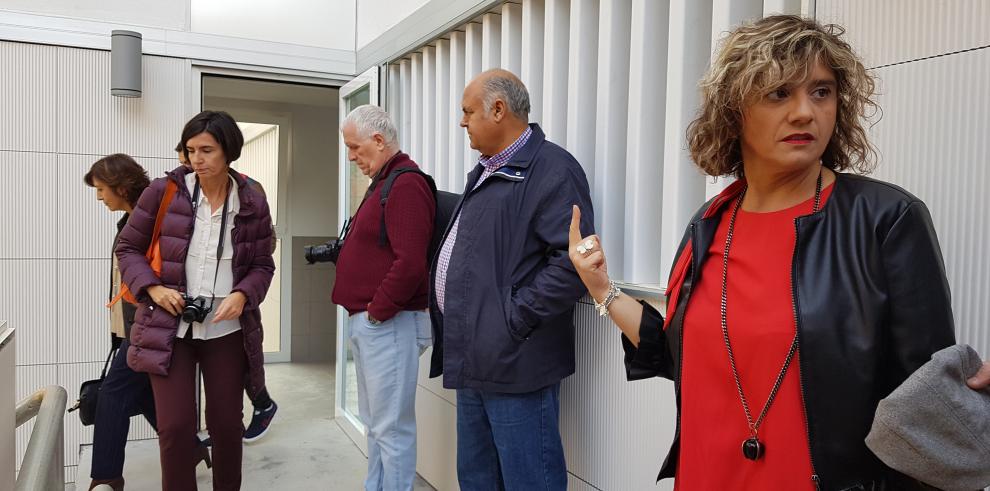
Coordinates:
x,y
290,148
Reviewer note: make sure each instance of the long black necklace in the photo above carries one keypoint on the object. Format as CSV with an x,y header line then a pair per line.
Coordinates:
x,y
752,447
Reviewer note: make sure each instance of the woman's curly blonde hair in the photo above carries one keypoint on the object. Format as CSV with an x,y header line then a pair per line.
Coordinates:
x,y
756,59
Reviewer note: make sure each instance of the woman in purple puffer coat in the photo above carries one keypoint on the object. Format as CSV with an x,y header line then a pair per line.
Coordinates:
x,y
216,268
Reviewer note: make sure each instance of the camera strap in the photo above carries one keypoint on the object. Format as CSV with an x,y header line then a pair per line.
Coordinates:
x,y
223,228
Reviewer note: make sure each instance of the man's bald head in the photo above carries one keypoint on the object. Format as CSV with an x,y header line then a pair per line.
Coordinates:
x,y
498,84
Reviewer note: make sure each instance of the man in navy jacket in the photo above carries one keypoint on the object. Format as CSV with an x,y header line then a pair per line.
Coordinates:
x,y
504,291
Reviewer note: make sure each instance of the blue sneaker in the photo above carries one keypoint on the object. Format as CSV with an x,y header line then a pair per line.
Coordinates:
x,y
261,420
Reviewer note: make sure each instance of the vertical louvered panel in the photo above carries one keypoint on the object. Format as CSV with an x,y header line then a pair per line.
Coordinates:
x,y
393,100
893,31
931,145
27,96
27,213
689,42
30,379
455,152
28,300
557,19
491,41
83,319
531,66
91,121
615,433
472,67
511,49
416,108
427,156
444,115
405,104
647,85
608,190
582,84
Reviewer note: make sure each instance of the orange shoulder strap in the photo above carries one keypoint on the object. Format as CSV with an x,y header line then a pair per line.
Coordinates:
x,y
153,248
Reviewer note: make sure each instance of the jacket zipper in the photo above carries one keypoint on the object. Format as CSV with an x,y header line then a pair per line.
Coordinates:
x,y
797,327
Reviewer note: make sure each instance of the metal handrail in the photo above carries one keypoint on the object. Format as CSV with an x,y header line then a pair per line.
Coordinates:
x,y
43,466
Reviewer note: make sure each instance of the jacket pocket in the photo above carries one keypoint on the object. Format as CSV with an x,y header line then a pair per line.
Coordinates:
x,y
516,326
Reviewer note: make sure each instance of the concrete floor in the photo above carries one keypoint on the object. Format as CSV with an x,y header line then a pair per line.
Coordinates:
x,y
305,449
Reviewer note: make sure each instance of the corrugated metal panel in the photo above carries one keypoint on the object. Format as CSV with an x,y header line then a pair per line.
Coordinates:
x,y
91,121
892,31
70,376
932,140
27,96
85,226
83,319
27,303
30,379
27,214
603,417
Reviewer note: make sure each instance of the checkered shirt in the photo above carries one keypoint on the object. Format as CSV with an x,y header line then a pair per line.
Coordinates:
x,y
491,165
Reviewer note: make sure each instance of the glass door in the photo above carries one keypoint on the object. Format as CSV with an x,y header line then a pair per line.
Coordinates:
x,y
353,184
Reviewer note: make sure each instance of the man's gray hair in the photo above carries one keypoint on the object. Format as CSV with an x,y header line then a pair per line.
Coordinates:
x,y
511,91
369,119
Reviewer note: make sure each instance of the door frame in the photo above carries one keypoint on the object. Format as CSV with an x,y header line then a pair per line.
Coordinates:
x,y
197,72
350,423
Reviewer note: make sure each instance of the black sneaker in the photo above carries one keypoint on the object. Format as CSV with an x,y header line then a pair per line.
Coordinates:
x,y
261,420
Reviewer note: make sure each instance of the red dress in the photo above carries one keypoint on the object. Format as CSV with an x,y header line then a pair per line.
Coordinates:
x,y
761,327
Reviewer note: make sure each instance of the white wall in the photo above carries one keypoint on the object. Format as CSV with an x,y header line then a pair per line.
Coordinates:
x,y
320,23
374,17
167,14
58,119
933,92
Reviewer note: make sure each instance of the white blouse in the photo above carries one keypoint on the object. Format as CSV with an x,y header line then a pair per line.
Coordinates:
x,y
201,262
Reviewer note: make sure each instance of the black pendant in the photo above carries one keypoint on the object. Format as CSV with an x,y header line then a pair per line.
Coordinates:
x,y
752,449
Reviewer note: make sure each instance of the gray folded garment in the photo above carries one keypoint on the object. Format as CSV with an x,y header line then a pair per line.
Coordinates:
x,y
934,428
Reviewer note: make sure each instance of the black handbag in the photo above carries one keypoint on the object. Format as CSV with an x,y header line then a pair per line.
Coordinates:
x,y
89,392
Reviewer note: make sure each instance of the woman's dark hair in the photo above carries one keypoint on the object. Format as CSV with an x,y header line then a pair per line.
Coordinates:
x,y
221,126
119,171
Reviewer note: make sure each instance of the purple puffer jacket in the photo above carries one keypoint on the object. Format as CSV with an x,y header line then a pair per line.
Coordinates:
x,y
154,330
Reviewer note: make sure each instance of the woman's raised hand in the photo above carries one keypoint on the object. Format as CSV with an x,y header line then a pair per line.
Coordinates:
x,y
588,257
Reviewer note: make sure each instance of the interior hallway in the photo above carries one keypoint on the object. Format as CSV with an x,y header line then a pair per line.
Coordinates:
x,y
304,449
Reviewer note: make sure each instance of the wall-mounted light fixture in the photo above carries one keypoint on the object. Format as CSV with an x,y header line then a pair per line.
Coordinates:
x,y
125,63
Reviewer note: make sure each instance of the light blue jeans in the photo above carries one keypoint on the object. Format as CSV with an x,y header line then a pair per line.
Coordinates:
x,y
386,362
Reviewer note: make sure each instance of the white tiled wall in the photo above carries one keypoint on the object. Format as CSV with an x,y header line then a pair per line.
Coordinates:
x,y
58,118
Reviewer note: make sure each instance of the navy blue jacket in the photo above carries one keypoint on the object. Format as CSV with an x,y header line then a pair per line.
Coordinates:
x,y
511,288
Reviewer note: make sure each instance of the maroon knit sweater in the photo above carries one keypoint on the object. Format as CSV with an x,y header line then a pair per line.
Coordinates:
x,y
389,279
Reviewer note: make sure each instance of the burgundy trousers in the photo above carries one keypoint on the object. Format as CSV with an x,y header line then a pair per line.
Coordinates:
x,y
223,364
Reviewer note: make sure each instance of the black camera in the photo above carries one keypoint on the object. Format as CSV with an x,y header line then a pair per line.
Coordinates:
x,y
196,309
324,253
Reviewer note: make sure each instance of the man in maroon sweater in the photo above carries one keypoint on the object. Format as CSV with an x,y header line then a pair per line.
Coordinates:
x,y
382,282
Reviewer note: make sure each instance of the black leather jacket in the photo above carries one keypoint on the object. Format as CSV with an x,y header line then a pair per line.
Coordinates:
x,y
872,305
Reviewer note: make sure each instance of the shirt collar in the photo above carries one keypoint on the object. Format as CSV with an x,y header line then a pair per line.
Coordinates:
x,y
234,198
500,159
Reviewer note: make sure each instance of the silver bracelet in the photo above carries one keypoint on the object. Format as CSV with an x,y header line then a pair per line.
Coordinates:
x,y
613,293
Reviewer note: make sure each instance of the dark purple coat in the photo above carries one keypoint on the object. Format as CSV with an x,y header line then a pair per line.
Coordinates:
x,y
154,330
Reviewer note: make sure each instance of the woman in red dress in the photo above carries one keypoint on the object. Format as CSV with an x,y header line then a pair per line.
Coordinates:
x,y
802,294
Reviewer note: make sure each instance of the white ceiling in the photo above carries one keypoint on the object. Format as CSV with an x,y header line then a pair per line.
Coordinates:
x,y
257,90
